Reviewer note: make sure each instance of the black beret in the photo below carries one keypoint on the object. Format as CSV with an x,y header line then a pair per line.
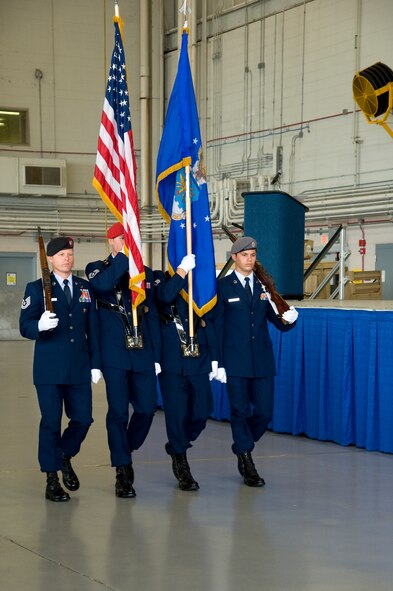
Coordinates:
x,y
244,243
57,244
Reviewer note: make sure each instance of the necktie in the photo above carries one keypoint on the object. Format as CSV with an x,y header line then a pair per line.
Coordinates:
x,y
247,287
67,291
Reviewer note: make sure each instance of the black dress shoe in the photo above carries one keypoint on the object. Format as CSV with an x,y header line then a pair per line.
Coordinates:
x,y
182,472
240,466
247,469
124,481
54,492
70,479
131,473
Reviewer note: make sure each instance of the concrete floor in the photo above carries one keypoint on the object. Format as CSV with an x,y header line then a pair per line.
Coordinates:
x,y
324,520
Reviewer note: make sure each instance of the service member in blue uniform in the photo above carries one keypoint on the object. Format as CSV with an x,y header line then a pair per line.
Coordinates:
x,y
184,381
66,360
243,310
129,373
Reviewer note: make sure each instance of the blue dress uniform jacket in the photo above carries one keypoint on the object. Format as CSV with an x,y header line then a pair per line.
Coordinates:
x,y
245,344
66,354
247,355
184,381
172,359
104,276
129,374
63,359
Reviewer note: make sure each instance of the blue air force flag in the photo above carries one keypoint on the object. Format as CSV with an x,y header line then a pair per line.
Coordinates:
x,y
181,146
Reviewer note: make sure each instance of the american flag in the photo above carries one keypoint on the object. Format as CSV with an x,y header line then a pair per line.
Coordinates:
x,y
115,169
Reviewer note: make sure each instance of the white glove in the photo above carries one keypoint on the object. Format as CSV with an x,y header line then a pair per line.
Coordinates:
x,y
187,262
157,367
96,375
47,321
290,315
221,375
213,373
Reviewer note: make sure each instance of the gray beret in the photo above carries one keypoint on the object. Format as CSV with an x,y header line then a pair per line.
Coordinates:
x,y
57,244
244,243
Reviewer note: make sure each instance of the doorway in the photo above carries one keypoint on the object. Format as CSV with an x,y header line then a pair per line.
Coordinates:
x,y
384,263
16,269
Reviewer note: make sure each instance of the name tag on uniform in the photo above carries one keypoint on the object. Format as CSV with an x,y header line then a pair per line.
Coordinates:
x,y
233,300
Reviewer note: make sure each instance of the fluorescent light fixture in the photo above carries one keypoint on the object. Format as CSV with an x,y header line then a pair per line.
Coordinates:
x,y
17,113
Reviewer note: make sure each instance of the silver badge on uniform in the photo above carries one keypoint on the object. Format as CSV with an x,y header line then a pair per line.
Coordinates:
x,y
93,273
26,303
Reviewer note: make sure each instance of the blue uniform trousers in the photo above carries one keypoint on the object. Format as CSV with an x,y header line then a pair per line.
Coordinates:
x,y
251,403
77,400
188,402
125,387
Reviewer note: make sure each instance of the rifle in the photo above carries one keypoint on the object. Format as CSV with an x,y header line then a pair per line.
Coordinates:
x,y
46,280
265,278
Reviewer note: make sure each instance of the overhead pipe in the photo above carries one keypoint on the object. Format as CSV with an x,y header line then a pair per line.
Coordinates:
x,y
204,75
247,97
355,121
330,196
344,215
347,201
227,206
217,97
262,90
365,189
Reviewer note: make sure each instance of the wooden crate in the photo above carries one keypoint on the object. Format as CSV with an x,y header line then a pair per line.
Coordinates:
x,y
308,249
364,285
316,278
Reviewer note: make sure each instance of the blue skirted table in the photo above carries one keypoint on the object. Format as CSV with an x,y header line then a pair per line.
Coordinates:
x,y
334,378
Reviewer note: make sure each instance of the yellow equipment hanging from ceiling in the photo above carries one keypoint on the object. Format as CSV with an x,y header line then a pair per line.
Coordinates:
x,y
373,93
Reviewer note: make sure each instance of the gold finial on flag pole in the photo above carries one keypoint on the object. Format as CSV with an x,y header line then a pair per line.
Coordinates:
x,y
117,18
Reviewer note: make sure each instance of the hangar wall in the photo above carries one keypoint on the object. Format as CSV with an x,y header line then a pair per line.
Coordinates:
x,y
273,82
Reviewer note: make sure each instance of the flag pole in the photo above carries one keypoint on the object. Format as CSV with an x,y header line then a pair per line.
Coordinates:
x,y
137,337
135,340
192,349
189,251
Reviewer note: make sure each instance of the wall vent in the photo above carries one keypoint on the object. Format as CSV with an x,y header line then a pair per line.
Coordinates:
x,y
42,176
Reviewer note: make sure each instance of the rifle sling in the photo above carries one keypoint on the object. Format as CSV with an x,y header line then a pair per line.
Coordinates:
x,y
175,318
119,307
179,325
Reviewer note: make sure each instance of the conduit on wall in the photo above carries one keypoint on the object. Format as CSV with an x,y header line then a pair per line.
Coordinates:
x,y
82,215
